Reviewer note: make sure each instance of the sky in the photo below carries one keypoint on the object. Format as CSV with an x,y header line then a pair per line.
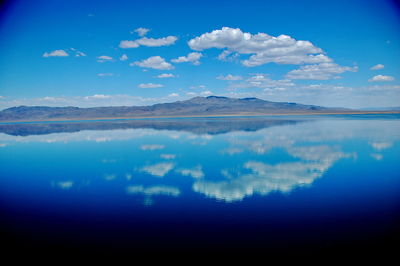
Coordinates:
x,y
111,53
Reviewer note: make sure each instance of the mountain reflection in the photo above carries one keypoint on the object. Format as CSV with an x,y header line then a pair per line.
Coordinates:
x,y
221,159
194,125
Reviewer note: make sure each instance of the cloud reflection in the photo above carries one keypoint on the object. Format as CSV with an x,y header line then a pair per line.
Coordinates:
x,y
195,172
149,192
159,169
262,178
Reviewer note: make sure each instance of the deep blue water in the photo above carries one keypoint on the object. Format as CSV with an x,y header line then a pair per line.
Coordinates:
x,y
270,183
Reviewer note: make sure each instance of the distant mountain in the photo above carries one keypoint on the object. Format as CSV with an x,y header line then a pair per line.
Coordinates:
x,y
198,106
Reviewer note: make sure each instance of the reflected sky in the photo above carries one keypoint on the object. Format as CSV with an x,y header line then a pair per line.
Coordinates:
x,y
228,161
266,180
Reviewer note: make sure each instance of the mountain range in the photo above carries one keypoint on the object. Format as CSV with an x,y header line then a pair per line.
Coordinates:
x,y
198,106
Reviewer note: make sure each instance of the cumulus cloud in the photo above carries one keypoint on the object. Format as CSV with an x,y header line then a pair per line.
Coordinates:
x,y
150,85
59,53
263,47
128,44
377,67
159,169
104,58
381,78
78,53
229,77
263,81
192,58
150,42
322,71
155,62
141,31
166,75
123,57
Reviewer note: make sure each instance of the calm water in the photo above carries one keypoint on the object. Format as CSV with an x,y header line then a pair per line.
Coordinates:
x,y
276,183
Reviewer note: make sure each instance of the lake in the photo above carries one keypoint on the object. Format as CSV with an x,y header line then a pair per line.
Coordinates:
x,y
273,183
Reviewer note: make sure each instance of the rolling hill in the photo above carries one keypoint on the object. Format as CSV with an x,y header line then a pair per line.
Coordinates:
x,y
198,106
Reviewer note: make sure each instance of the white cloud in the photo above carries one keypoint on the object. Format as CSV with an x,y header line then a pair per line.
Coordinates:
x,y
98,96
195,172
79,54
155,62
320,71
141,31
104,58
61,53
263,47
174,94
166,75
85,101
191,94
227,55
381,78
123,57
229,77
168,156
105,74
192,58
128,44
263,81
201,87
377,67
159,169
206,93
150,85
152,147
150,42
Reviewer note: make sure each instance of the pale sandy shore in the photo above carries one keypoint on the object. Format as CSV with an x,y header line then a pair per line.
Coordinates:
x,y
200,116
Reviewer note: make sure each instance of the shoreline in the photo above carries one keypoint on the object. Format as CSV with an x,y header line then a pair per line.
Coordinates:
x,y
194,116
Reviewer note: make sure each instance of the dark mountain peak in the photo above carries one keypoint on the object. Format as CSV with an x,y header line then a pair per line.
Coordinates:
x,y
217,97
197,106
249,99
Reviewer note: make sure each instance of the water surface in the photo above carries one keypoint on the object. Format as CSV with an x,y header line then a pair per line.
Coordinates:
x,y
271,183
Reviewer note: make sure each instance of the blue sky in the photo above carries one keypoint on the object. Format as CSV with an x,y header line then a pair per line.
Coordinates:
x,y
100,53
